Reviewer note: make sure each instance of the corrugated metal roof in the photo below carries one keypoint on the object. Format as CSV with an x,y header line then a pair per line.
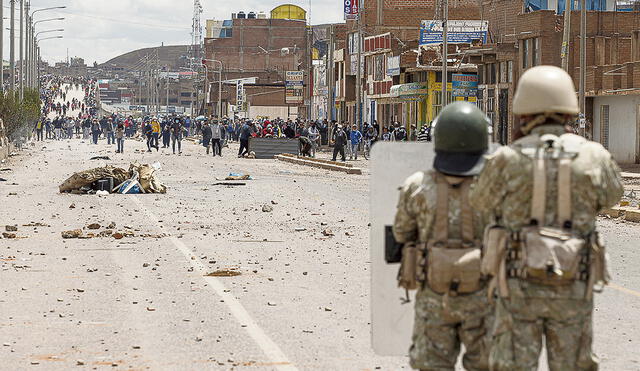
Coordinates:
x,y
266,148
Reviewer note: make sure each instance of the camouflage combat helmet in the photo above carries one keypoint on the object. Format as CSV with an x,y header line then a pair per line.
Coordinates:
x,y
461,138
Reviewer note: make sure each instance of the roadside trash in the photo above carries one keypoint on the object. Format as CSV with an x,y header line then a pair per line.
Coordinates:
x,y
102,193
100,158
229,184
157,166
237,176
139,179
267,208
3,180
94,226
223,273
8,235
11,228
327,232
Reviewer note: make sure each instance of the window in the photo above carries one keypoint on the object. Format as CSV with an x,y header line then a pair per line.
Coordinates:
x,y
503,72
481,74
437,102
185,94
353,43
509,71
604,126
491,73
491,104
525,54
379,70
535,52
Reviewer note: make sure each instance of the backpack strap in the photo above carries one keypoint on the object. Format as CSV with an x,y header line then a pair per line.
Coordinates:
x,y
442,209
466,213
539,198
564,192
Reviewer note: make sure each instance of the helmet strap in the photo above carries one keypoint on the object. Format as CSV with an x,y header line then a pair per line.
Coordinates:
x,y
542,119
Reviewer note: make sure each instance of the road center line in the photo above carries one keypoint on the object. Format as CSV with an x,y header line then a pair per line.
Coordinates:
x,y
624,290
268,346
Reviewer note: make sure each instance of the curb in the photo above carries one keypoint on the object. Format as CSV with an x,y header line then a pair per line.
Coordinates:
x,y
626,213
627,175
327,165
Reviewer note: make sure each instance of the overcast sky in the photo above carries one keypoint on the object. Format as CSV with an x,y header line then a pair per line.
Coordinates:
x,y
99,30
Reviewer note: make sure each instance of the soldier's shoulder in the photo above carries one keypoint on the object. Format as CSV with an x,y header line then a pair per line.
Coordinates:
x,y
418,179
502,156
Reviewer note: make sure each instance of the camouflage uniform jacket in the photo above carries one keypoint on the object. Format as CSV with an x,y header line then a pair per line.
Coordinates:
x,y
416,213
505,188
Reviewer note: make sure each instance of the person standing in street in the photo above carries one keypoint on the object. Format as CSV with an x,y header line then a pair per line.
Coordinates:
x,y
441,253
206,135
339,141
155,133
245,134
120,137
109,128
216,136
166,134
148,132
355,139
545,256
39,128
95,131
177,130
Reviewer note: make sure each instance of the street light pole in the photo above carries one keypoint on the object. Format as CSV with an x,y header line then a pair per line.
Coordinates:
x,y
21,50
445,50
219,110
2,46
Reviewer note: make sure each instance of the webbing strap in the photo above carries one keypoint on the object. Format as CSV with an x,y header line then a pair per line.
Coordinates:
x,y
539,198
442,209
466,214
564,191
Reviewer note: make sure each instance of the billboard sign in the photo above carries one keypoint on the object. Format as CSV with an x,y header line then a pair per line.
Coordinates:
x,y
240,93
459,32
464,85
351,9
294,87
393,66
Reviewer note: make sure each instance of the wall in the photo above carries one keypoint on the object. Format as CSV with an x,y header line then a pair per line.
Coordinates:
x,y
623,126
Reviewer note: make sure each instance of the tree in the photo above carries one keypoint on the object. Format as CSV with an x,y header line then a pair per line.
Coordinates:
x,y
19,117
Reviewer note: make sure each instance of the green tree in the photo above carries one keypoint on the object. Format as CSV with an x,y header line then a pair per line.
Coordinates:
x,y
19,117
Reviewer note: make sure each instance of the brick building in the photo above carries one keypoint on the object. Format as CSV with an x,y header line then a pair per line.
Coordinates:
x,y
258,50
612,86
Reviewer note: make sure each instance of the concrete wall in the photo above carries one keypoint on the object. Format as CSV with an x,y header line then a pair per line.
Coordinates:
x,y
623,126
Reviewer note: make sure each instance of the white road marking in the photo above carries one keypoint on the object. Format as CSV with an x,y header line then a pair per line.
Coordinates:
x,y
268,346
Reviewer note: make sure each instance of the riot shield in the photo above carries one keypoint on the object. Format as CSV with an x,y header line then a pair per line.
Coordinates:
x,y
391,320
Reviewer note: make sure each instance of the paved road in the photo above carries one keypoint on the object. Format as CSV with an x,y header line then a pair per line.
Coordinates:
x,y
301,301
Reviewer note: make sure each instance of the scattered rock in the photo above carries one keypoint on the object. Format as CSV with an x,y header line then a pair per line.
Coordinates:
x,y
11,228
328,309
80,362
111,225
271,304
94,226
80,290
117,235
135,346
300,229
145,265
273,202
76,233
8,235
327,232
151,309
223,273
72,206
267,208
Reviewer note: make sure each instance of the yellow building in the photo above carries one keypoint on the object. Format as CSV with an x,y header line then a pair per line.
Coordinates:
x,y
288,11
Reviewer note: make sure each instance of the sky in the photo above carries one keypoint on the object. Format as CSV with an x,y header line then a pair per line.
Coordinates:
x,y
98,30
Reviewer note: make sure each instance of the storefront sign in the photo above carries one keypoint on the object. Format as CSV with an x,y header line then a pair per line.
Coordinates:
x,y
464,85
459,32
294,87
412,89
351,9
393,66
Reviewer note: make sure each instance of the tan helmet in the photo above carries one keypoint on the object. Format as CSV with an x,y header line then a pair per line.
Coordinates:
x,y
545,90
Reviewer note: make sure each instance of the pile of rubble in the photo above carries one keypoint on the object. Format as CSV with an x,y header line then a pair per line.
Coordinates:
x,y
110,179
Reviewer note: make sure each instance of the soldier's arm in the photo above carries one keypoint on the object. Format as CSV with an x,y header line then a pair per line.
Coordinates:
x,y
405,226
490,187
611,188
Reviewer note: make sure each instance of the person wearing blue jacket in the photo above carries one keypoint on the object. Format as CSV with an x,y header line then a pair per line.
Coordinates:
x,y
355,137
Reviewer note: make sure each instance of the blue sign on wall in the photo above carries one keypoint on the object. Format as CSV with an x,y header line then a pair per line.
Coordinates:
x,y
459,32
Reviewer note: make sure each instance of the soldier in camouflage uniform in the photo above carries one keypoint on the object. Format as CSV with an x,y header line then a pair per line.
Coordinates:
x,y
444,320
556,304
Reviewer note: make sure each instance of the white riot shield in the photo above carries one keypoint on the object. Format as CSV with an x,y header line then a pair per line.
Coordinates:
x,y
391,321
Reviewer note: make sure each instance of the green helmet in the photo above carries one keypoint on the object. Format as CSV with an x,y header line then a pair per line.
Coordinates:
x,y
461,138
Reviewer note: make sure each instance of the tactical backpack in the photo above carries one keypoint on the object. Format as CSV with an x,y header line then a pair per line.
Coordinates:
x,y
551,255
445,265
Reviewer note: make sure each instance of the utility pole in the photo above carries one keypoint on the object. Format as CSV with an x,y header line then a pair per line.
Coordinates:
x,y
330,76
583,63
358,69
445,47
2,46
12,45
21,50
566,35
27,39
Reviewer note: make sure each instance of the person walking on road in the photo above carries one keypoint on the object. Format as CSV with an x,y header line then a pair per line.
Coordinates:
x,y
110,135
206,135
245,134
148,132
177,131
545,255
95,131
120,137
216,137
155,133
39,129
356,138
339,141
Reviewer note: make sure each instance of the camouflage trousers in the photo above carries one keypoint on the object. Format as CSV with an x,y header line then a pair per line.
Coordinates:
x,y
441,325
561,314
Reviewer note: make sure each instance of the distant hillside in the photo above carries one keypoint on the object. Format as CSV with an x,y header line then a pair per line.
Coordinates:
x,y
168,55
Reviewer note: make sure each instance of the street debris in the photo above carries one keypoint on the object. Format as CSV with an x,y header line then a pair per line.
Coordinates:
x,y
267,208
11,228
223,273
327,232
100,158
139,179
238,176
76,233
8,235
230,183
94,226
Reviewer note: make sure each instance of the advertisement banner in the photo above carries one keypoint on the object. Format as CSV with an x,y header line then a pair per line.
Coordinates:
x,y
459,32
294,87
240,93
351,8
393,66
464,85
